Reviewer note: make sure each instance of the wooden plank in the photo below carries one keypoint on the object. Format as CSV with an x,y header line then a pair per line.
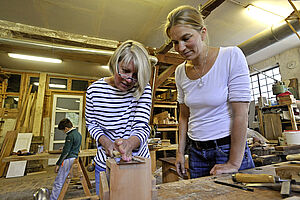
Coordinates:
x,y
292,116
133,180
6,149
104,189
36,130
273,128
22,110
45,156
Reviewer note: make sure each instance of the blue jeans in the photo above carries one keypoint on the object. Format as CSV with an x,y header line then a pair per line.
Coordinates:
x,y
61,177
202,161
98,169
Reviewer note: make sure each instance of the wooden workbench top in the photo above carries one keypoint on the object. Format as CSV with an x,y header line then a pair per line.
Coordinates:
x,y
206,188
45,156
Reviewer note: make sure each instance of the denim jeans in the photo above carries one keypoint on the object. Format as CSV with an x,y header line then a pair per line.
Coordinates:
x,y
202,161
98,169
61,177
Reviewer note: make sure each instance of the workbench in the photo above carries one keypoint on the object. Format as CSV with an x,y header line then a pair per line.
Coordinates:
x,y
46,156
206,188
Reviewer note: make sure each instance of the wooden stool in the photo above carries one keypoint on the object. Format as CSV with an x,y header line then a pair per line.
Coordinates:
x,y
77,170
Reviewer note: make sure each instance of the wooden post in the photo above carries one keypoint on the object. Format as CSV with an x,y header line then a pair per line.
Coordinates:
x,y
36,130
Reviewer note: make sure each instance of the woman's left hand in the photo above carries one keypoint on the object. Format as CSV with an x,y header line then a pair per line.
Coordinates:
x,y
125,148
223,169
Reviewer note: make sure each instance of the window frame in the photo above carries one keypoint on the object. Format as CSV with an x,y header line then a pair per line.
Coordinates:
x,y
261,82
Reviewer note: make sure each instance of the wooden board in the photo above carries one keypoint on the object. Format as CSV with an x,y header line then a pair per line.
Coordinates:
x,y
6,149
131,181
46,156
37,123
273,128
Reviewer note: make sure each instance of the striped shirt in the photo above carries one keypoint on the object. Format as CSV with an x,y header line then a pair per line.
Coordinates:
x,y
117,114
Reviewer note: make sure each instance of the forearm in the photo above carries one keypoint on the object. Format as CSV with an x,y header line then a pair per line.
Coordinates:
x,y
238,140
134,142
183,127
182,137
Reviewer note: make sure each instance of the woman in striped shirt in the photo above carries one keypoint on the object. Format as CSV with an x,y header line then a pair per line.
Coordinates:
x,y
118,107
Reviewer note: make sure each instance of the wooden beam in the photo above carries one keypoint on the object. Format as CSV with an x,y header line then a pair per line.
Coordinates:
x,y
163,76
36,130
209,6
170,58
22,31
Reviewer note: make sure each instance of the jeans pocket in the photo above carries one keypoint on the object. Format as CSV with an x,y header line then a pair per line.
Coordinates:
x,y
223,150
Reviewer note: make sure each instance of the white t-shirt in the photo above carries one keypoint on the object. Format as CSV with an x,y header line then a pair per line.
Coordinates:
x,y
227,81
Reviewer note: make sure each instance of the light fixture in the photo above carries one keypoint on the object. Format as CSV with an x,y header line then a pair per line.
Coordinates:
x,y
263,15
52,85
34,58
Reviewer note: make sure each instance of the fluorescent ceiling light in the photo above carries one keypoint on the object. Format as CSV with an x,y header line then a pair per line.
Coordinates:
x,y
34,58
263,15
52,85
57,86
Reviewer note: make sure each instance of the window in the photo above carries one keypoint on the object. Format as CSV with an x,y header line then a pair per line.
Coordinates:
x,y
34,81
261,83
58,83
14,83
79,85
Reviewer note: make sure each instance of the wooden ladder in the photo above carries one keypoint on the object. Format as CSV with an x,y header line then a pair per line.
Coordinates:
x,y
77,170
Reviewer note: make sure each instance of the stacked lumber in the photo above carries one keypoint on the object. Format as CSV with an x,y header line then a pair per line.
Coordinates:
x,y
7,147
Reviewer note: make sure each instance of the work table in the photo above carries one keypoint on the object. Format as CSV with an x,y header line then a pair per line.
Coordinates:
x,y
206,188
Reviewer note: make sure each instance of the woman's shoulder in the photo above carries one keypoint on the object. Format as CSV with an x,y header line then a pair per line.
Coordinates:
x,y
231,50
180,68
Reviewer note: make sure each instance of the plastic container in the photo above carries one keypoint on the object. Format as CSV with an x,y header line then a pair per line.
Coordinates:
x,y
292,137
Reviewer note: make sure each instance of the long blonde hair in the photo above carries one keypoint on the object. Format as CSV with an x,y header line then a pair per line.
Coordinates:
x,y
128,51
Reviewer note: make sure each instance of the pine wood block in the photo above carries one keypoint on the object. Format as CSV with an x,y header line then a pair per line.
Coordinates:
x,y
131,181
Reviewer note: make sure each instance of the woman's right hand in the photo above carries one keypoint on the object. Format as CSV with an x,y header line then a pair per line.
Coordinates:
x,y
180,164
107,144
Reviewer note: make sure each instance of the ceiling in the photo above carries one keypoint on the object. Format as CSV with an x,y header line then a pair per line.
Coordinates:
x,y
140,20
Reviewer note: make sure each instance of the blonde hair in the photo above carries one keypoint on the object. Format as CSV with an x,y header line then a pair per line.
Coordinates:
x,y
133,51
184,15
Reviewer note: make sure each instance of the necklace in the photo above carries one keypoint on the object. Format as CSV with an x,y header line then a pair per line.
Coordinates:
x,y
203,66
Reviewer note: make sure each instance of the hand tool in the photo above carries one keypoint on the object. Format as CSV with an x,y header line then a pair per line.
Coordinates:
x,y
264,178
235,186
256,178
134,160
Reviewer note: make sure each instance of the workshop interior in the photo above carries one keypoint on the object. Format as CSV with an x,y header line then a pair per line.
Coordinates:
x,y
52,51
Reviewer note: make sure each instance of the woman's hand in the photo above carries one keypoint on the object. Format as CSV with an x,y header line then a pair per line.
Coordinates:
x,y
107,144
224,168
180,165
125,148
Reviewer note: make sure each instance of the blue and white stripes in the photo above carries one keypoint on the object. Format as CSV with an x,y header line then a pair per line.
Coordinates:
x,y
117,114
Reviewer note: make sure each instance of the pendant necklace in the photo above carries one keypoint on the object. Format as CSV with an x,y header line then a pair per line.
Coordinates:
x,y
200,84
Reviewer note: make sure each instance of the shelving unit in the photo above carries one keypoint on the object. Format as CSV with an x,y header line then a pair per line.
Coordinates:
x,y
271,122
165,128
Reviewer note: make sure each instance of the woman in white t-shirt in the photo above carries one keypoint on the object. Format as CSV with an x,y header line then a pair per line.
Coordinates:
x,y
213,87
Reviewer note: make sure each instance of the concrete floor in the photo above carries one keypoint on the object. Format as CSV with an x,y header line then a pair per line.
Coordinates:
x,y
20,188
